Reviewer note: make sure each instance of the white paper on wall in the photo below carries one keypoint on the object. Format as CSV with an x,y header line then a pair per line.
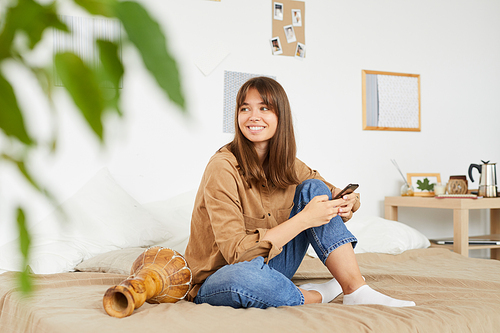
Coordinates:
x,y
398,101
210,57
232,83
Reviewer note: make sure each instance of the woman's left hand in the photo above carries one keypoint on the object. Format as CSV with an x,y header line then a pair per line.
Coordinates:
x,y
345,204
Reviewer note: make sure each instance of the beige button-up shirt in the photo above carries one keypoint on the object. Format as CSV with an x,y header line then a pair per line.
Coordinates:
x,y
230,218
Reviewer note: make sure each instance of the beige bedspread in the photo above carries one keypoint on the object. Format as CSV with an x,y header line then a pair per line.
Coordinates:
x,y
453,294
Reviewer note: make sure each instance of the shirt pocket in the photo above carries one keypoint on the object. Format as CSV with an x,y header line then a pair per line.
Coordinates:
x,y
283,214
252,223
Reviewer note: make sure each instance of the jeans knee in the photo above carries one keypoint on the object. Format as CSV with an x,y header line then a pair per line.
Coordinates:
x,y
240,276
316,186
237,285
249,284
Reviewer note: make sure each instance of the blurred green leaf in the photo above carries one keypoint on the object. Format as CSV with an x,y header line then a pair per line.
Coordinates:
x,y
24,244
81,83
147,36
112,65
26,281
6,37
44,78
21,166
46,82
112,69
32,18
99,7
24,236
11,118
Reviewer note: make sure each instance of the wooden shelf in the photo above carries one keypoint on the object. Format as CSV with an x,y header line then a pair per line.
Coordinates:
x,y
460,207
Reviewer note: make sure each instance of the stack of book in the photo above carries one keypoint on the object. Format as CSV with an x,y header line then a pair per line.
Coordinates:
x,y
474,240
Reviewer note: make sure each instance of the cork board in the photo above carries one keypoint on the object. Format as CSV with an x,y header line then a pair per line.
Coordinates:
x,y
288,35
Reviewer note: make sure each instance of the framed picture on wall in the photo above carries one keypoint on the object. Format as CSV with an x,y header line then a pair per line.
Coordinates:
x,y
391,101
423,183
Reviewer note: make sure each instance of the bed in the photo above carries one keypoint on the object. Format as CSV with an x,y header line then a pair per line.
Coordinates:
x,y
453,293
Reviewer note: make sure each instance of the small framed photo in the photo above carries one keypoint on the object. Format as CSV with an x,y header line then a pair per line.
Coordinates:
x,y
296,18
278,11
423,183
276,46
290,34
300,51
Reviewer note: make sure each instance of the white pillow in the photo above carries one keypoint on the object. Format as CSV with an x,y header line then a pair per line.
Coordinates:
x,y
100,217
175,213
116,262
378,235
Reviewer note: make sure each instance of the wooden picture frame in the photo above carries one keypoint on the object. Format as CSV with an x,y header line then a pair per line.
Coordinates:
x,y
391,101
421,180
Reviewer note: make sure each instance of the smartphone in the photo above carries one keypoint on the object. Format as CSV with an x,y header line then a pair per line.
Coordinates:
x,y
347,190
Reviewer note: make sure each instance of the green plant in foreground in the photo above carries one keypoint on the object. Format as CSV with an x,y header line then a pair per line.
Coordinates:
x,y
22,25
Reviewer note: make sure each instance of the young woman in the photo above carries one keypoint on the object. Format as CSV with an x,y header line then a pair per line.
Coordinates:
x,y
257,210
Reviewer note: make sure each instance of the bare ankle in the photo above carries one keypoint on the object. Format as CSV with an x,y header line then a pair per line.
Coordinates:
x,y
311,296
352,286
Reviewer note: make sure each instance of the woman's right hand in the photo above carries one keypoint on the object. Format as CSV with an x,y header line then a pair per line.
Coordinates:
x,y
320,210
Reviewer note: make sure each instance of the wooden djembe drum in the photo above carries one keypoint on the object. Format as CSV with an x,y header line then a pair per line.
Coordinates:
x,y
159,275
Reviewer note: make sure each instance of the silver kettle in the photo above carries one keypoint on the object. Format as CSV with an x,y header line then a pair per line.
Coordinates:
x,y
488,180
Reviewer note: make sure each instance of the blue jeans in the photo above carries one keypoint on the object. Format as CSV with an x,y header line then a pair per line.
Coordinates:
x,y
257,284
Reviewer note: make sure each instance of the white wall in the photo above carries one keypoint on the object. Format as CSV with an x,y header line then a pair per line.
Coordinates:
x,y
155,153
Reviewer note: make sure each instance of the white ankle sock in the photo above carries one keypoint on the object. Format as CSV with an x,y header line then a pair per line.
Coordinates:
x,y
366,295
328,290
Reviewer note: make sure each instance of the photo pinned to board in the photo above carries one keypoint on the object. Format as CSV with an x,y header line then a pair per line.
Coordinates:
x,y
290,34
276,46
278,11
300,51
296,18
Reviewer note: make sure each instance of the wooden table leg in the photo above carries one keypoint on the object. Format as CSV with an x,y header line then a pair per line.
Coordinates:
x,y
461,231
495,230
391,212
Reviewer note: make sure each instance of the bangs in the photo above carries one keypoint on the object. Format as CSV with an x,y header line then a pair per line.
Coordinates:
x,y
265,90
269,100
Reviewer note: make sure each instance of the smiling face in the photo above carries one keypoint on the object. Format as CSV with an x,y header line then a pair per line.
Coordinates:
x,y
257,121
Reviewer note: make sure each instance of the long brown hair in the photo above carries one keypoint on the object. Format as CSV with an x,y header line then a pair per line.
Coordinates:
x,y
280,159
